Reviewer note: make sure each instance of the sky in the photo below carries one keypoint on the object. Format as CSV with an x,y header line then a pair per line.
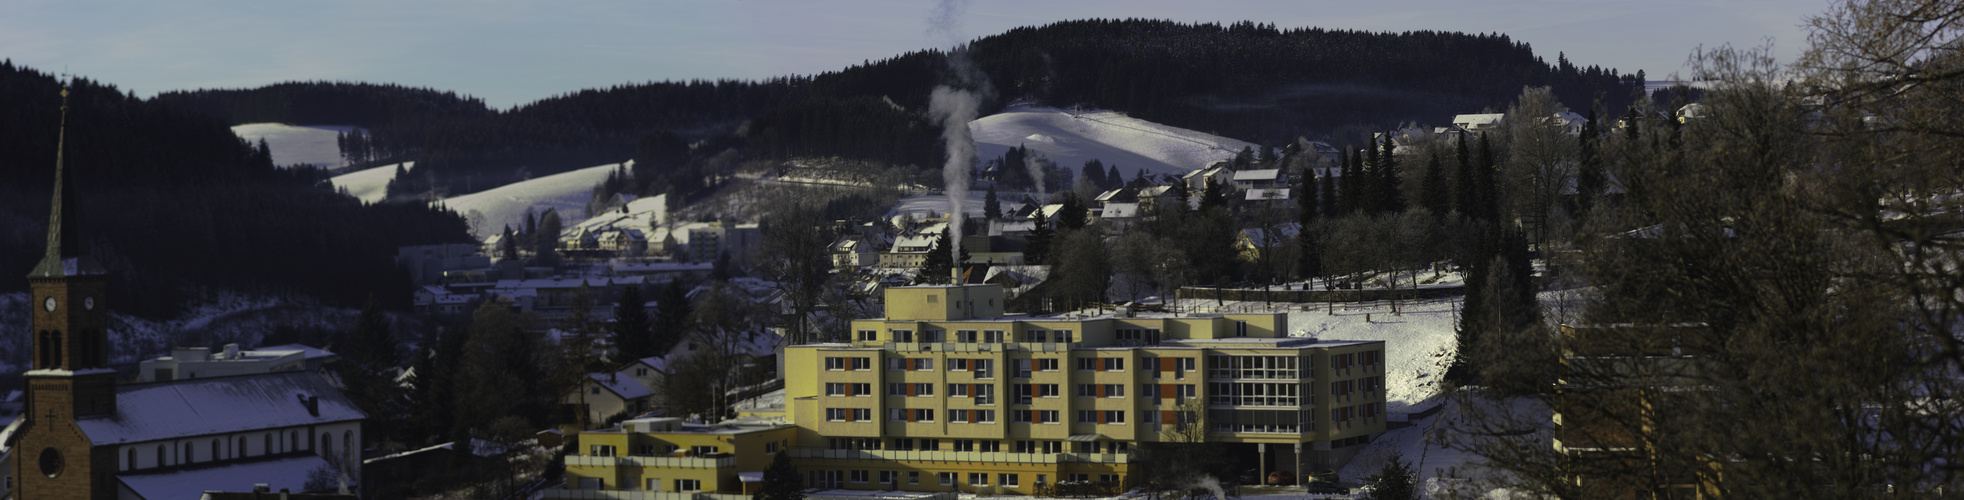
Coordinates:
x,y
510,52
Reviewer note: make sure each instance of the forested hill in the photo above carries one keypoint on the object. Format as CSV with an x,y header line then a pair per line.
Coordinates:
x,y
1247,81
1250,81
173,201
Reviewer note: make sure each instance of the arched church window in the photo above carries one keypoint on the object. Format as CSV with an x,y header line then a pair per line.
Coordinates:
x,y
348,447
161,456
238,447
190,455
267,447
327,446
216,448
131,464
292,440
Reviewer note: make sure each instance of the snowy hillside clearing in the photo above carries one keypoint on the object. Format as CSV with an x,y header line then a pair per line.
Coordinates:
x,y
371,185
297,144
1072,137
491,210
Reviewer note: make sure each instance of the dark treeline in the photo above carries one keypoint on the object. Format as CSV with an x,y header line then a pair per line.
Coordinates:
x,y
172,202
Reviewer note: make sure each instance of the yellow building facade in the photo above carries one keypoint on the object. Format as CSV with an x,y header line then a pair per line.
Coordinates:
x,y
948,392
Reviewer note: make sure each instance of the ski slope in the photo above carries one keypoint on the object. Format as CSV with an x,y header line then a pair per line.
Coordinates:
x,y
371,185
1072,137
566,192
296,144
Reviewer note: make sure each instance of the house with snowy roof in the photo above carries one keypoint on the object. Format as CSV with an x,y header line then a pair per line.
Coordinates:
x,y
629,242
86,436
1478,122
1259,179
605,394
1196,180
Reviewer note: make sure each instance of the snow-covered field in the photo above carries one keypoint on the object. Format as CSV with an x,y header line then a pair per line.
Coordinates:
x,y
296,144
369,185
642,213
1072,137
566,192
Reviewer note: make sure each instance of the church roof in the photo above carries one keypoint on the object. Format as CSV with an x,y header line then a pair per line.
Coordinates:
x,y
283,473
197,407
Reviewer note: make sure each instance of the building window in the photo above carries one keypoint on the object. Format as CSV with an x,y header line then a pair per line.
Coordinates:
x,y
1047,365
946,478
985,416
688,485
217,447
128,466
913,477
266,448
1113,364
654,484
697,451
1022,416
1047,416
292,440
1026,447
860,476
601,450
1006,479
868,335
238,445
888,477
1047,390
1114,416
161,455
327,446
965,336
902,336
991,446
978,479
1114,390
992,336
932,444
964,445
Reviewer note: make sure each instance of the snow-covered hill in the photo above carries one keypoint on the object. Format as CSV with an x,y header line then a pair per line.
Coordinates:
x,y
566,192
1072,137
369,185
296,144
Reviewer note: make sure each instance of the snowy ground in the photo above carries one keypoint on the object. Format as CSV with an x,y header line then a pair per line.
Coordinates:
x,y
370,186
1072,137
296,144
642,213
566,192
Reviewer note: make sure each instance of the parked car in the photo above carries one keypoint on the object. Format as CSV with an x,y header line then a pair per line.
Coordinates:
x,y
1281,478
1325,487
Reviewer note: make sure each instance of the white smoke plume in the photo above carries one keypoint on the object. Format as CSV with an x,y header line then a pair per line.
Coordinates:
x,y
954,108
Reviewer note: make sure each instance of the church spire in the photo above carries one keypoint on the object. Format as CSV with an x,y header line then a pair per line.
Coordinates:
x,y
64,257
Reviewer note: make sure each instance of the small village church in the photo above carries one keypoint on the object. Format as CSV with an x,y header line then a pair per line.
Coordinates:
x,y
81,435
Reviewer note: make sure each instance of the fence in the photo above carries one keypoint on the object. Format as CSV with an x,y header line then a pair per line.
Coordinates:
x,y
1361,295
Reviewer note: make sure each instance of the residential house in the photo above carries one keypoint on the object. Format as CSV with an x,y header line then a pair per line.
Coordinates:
x,y
604,395
427,263
1478,122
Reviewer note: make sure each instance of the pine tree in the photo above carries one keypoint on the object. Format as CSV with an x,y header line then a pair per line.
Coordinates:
x,y
939,263
1433,195
508,245
1329,197
1214,196
1390,185
1094,173
1307,203
1370,177
1486,183
1073,215
1463,181
1395,481
1589,176
781,481
671,322
991,207
1113,179
633,330
1038,245
545,242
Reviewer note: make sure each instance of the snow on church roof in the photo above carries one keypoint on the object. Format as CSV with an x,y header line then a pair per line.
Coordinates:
x,y
284,473
196,407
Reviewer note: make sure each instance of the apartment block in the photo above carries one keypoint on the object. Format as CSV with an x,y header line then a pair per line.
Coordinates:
x,y
949,392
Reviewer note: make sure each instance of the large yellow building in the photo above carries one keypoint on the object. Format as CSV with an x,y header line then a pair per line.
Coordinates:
x,y
949,392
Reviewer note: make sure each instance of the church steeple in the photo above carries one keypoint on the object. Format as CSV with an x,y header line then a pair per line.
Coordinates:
x,y
64,256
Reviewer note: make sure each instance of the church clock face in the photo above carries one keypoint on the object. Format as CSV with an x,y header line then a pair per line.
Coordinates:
x,y
51,462
48,304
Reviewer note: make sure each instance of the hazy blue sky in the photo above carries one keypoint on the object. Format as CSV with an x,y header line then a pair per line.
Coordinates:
x,y
514,51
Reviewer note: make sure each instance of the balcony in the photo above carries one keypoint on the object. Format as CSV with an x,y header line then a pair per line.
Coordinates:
x,y
961,456
964,347
644,461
